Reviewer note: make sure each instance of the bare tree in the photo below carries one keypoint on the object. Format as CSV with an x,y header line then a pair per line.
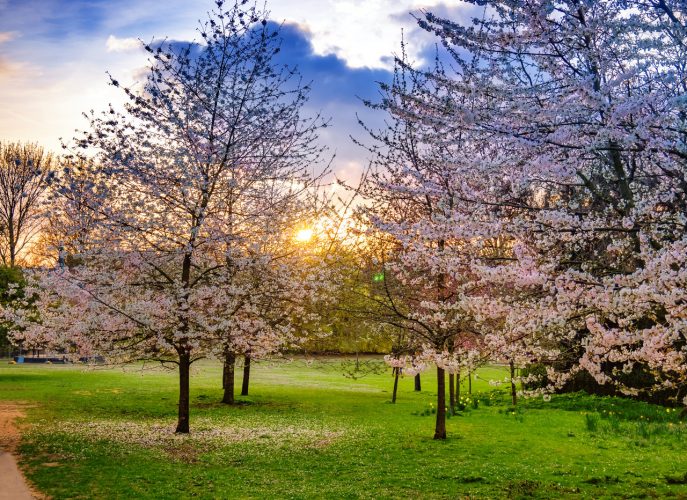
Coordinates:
x,y
24,169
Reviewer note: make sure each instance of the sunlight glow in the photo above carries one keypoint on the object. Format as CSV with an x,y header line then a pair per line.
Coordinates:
x,y
304,235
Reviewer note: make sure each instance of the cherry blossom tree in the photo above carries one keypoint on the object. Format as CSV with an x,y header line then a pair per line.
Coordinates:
x,y
414,202
214,135
586,100
559,132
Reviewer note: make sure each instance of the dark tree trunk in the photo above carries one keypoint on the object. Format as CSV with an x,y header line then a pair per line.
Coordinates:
x,y
12,244
184,396
184,357
418,384
228,378
440,429
396,372
246,375
458,385
470,382
452,391
513,392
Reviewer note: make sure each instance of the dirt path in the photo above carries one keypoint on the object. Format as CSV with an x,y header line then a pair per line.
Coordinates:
x,y
13,486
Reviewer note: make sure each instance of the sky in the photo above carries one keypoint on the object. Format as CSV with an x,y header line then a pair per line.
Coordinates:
x,y
54,55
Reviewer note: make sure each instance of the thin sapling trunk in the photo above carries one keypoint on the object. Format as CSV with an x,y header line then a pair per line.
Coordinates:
x,y
458,385
440,428
452,391
513,392
246,375
396,372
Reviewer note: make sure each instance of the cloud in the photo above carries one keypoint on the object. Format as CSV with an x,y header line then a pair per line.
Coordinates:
x,y
8,67
71,43
7,36
17,71
115,44
337,91
364,33
333,79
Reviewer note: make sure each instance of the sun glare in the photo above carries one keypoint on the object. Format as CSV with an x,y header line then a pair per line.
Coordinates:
x,y
304,235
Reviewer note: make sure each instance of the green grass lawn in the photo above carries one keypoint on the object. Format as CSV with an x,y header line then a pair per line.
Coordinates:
x,y
306,431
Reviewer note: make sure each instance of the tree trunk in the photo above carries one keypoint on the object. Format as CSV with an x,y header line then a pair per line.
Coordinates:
x,y
440,429
513,392
246,375
396,372
184,396
12,242
458,385
452,391
470,382
228,378
418,384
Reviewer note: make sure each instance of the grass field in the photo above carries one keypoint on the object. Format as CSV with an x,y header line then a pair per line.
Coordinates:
x,y
307,431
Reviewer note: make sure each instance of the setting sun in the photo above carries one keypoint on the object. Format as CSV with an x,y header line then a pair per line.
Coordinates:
x,y
304,235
